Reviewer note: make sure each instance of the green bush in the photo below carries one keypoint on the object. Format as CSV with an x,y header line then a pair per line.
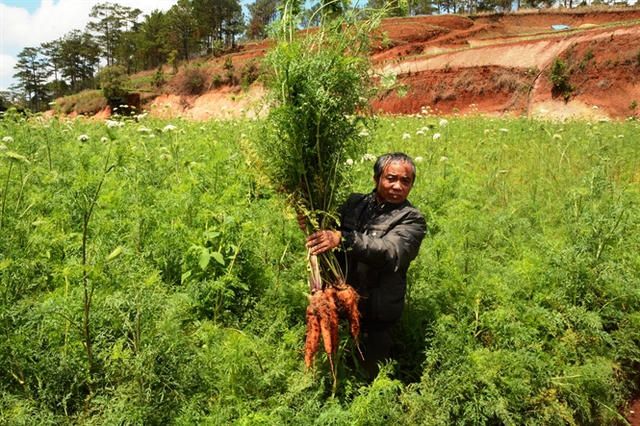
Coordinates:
x,y
216,81
230,71
559,76
112,80
588,55
158,80
195,79
249,74
87,102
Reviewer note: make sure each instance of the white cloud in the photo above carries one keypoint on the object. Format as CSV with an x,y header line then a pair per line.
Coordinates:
x,y
53,20
6,69
50,21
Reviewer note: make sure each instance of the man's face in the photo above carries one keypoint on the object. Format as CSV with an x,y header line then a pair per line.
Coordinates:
x,y
395,182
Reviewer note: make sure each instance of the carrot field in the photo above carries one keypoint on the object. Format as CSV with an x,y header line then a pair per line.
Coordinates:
x,y
151,275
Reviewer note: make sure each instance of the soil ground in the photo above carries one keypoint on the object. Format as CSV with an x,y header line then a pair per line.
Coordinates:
x,y
633,415
496,64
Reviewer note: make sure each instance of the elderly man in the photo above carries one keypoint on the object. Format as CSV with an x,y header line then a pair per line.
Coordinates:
x,y
380,233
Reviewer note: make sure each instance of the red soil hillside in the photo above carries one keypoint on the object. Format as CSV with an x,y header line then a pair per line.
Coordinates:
x,y
495,64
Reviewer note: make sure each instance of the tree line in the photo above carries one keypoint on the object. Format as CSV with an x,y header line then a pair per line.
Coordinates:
x,y
122,36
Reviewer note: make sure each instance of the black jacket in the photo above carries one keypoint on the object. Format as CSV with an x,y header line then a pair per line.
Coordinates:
x,y
380,242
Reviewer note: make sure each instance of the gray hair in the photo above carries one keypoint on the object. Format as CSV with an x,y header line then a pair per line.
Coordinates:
x,y
393,157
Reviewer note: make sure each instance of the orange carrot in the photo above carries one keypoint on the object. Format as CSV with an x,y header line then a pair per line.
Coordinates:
x,y
328,323
312,343
348,308
323,313
332,313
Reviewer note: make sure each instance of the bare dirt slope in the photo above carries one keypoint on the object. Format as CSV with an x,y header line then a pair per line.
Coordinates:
x,y
494,63
499,64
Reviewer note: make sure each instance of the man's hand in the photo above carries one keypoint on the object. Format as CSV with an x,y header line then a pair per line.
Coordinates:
x,y
301,221
323,241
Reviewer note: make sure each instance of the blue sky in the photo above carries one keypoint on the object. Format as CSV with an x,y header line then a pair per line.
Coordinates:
x,y
30,5
28,23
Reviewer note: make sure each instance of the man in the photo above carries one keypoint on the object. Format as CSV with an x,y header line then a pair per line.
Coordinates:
x,y
381,233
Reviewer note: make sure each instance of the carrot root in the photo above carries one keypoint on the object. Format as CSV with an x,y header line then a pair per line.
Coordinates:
x,y
312,343
325,309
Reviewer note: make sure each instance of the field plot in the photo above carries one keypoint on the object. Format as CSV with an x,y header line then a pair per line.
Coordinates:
x,y
150,275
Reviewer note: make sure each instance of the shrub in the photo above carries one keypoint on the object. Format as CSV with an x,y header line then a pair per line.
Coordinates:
x,y
588,55
173,60
506,81
112,80
87,102
158,79
633,108
230,71
559,76
195,79
217,48
249,73
216,81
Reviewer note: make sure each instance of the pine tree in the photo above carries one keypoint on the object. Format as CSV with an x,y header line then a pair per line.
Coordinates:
x,y
32,76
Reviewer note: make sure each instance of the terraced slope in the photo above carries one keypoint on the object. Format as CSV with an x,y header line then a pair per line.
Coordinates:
x,y
500,63
494,63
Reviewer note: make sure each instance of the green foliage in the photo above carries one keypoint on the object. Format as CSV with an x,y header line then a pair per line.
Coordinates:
x,y
112,80
261,14
217,48
195,79
158,80
110,28
87,102
250,72
633,115
146,298
216,81
559,75
588,55
523,306
314,123
5,102
230,71
173,60
31,77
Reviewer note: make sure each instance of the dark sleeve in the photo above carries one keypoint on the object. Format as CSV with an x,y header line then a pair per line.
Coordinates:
x,y
394,250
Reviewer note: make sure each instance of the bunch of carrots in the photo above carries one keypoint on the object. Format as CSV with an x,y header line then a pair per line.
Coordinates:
x,y
330,300
324,310
320,84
